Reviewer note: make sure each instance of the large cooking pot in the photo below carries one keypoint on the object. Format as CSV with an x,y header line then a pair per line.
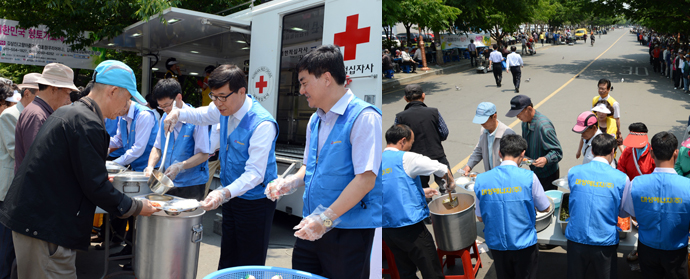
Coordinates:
x,y
454,229
131,183
544,219
168,246
114,168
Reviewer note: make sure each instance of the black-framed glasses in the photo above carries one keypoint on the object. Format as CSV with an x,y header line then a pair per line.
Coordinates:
x,y
221,98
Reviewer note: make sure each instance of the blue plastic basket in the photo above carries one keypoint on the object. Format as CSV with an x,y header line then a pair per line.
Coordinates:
x,y
260,272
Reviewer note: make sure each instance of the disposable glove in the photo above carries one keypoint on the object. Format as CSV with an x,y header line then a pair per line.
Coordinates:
x,y
283,186
312,227
148,171
173,170
172,118
216,198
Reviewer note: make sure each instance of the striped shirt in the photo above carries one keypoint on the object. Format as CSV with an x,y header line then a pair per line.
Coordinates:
x,y
542,142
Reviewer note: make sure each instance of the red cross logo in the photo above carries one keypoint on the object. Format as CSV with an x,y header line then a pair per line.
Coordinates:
x,y
351,37
261,84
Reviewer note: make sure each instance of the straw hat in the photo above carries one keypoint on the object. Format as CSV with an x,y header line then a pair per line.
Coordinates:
x,y
57,75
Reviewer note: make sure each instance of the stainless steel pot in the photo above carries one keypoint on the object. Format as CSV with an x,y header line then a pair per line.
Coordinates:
x,y
168,246
545,219
454,229
114,168
131,183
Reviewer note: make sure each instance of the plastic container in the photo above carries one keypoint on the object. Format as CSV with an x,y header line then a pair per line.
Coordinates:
x,y
556,196
260,272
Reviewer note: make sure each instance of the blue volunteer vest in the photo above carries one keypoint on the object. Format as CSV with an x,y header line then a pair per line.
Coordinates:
x,y
111,126
180,149
331,171
507,207
128,137
404,203
596,190
662,208
234,149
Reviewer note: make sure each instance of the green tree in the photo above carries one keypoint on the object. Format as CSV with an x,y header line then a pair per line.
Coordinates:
x,y
499,18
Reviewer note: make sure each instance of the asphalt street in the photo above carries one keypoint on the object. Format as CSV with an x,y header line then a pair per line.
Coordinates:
x,y
562,82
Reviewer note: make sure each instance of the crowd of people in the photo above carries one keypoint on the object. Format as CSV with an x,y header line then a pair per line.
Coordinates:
x,y
619,177
55,139
667,57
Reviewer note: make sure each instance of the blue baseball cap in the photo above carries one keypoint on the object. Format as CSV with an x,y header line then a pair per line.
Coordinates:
x,y
116,73
484,111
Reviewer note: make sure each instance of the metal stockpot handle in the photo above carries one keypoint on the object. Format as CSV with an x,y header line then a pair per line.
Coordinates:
x,y
197,233
126,186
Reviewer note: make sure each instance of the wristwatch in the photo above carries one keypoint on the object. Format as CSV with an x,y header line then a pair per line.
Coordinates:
x,y
327,222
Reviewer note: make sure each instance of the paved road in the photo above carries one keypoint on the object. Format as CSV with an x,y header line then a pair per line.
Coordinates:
x,y
559,93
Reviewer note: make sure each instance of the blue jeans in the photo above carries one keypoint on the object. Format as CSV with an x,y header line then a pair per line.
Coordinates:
x,y
685,82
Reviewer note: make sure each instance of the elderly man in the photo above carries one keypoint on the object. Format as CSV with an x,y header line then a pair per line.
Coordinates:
x,y
54,87
8,122
63,178
489,141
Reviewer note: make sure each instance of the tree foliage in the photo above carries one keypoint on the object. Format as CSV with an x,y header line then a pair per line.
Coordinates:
x,y
497,17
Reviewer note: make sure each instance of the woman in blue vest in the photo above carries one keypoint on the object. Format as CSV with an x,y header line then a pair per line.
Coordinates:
x,y
507,196
661,203
135,135
596,191
186,158
405,208
248,136
341,173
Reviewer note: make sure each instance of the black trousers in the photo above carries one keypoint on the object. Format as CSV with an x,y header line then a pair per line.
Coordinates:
x,y
517,73
655,263
657,65
339,254
411,64
425,179
676,77
473,59
413,248
498,73
604,260
547,182
7,256
246,228
518,264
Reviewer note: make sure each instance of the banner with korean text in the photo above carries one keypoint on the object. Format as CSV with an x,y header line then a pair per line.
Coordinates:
x,y
462,41
33,46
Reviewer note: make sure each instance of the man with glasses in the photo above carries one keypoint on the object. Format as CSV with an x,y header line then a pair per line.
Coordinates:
x,y
248,136
186,160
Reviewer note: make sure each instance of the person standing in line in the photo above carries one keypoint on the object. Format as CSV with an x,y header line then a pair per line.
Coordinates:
x,y
659,202
541,38
512,241
495,62
515,64
492,132
405,206
542,143
637,157
592,230
604,88
428,126
586,126
472,48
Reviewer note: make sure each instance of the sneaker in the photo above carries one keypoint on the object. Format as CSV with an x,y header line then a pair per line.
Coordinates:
x,y
517,90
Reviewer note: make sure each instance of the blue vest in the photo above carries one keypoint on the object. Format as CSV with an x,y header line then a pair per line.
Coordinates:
x,y
507,207
404,203
111,126
128,137
180,149
233,158
662,208
596,190
331,171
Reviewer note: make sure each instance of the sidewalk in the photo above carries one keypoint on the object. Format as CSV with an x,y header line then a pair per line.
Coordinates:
x,y
401,79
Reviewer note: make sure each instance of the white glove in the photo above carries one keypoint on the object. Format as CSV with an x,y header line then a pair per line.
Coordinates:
x,y
148,171
216,198
430,192
312,227
173,170
172,118
283,186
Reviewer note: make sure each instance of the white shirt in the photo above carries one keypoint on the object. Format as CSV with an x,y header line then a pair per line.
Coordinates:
x,y
496,57
616,107
405,56
587,148
627,203
416,164
201,142
365,137
418,54
514,59
145,123
260,142
541,201
215,137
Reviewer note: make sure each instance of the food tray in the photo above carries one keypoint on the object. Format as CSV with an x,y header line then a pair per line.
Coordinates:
x,y
171,205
